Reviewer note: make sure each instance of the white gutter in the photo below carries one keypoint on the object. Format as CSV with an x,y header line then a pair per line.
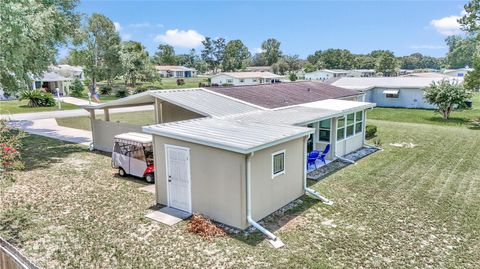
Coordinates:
x,y
274,240
308,190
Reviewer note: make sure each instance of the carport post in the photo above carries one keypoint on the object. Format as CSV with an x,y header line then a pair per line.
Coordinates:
x,y
158,111
107,114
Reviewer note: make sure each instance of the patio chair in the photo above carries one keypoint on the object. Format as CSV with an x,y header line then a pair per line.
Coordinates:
x,y
312,157
324,153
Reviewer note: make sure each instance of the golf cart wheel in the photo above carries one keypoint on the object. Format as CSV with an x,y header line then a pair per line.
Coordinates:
x,y
122,172
150,178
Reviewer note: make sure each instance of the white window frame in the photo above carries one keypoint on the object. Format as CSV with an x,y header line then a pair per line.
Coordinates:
x,y
274,175
325,129
350,125
392,95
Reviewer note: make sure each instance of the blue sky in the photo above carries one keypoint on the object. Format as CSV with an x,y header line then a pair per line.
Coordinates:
x,y
302,26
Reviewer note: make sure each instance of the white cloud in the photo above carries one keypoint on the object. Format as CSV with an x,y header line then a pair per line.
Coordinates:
x,y
430,47
118,27
126,37
140,25
181,38
258,50
448,25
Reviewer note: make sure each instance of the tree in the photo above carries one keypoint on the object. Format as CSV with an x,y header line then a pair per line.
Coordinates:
x,y
213,51
386,62
471,20
259,60
188,59
235,56
460,51
165,55
287,64
135,61
447,95
30,33
362,61
309,67
337,59
271,51
472,78
100,53
201,66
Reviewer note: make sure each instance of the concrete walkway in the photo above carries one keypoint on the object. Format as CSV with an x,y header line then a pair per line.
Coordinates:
x,y
68,113
76,101
50,128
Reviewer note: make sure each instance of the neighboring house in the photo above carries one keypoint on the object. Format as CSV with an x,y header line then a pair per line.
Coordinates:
x,y
326,74
460,72
69,71
329,74
427,75
244,78
236,161
50,81
406,92
174,71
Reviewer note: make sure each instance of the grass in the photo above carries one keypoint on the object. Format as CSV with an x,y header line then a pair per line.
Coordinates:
x,y
83,122
428,116
15,107
401,207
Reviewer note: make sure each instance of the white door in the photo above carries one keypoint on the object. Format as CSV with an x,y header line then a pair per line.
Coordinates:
x,y
178,177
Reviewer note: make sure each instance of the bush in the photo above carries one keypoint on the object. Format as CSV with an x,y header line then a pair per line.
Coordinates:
x,y
370,131
180,81
38,98
10,143
292,77
105,90
145,88
77,88
121,92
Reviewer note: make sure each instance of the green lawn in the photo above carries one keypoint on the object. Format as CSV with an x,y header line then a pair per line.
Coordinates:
x,y
15,106
137,118
398,208
427,116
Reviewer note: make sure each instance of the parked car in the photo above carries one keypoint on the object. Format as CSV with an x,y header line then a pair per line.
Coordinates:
x,y
132,154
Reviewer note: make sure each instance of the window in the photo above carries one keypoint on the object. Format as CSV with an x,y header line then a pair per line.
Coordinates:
x,y
340,128
242,80
254,80
278,163
229,81
349,125
324,130
391,95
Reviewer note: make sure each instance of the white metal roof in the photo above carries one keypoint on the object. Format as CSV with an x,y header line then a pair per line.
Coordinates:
x,y
135,137
237,136
305,113
249,75
52,76
386,82
198,100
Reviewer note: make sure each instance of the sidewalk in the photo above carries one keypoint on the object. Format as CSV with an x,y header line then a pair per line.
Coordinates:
x,y
76,101
50,128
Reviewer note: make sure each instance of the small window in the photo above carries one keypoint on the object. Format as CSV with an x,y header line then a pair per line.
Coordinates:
x,y
349,130
341,122
254,80
278,163
358,127
242,81
229,81
324,130
350,118
391,95
359,116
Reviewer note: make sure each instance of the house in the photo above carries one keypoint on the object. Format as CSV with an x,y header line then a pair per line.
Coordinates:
x,y
50,81
406,92
460,72
326,74
244,78
174,71
235,161
68,71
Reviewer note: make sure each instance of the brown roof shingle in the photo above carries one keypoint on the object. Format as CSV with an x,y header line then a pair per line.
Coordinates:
x,y
285,93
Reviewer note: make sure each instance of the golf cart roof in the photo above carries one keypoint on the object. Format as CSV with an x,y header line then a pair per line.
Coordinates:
x,y
134,138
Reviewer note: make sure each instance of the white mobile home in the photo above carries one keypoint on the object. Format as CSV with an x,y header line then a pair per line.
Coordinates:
x,y
459,73
244,78
326,74
404,92
174,71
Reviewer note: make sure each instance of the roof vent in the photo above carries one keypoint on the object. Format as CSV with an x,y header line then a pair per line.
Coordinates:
x,y
309,90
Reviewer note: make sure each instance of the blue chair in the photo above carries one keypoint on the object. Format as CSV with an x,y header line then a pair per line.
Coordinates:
x,y
312,157
324,154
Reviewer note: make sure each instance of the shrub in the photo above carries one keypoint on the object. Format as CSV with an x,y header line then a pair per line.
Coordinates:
x,y
77,88
180,81
121,92
37,98
292,77
144,88
105,90
10,143
370,131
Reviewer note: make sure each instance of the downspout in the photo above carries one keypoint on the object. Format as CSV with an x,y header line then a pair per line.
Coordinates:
x,y
307,189
249,205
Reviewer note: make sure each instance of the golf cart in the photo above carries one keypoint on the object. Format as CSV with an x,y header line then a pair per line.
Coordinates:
x,y
133,155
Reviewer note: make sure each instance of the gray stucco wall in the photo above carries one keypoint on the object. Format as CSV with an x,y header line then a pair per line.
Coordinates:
x,y
408,98
218,180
